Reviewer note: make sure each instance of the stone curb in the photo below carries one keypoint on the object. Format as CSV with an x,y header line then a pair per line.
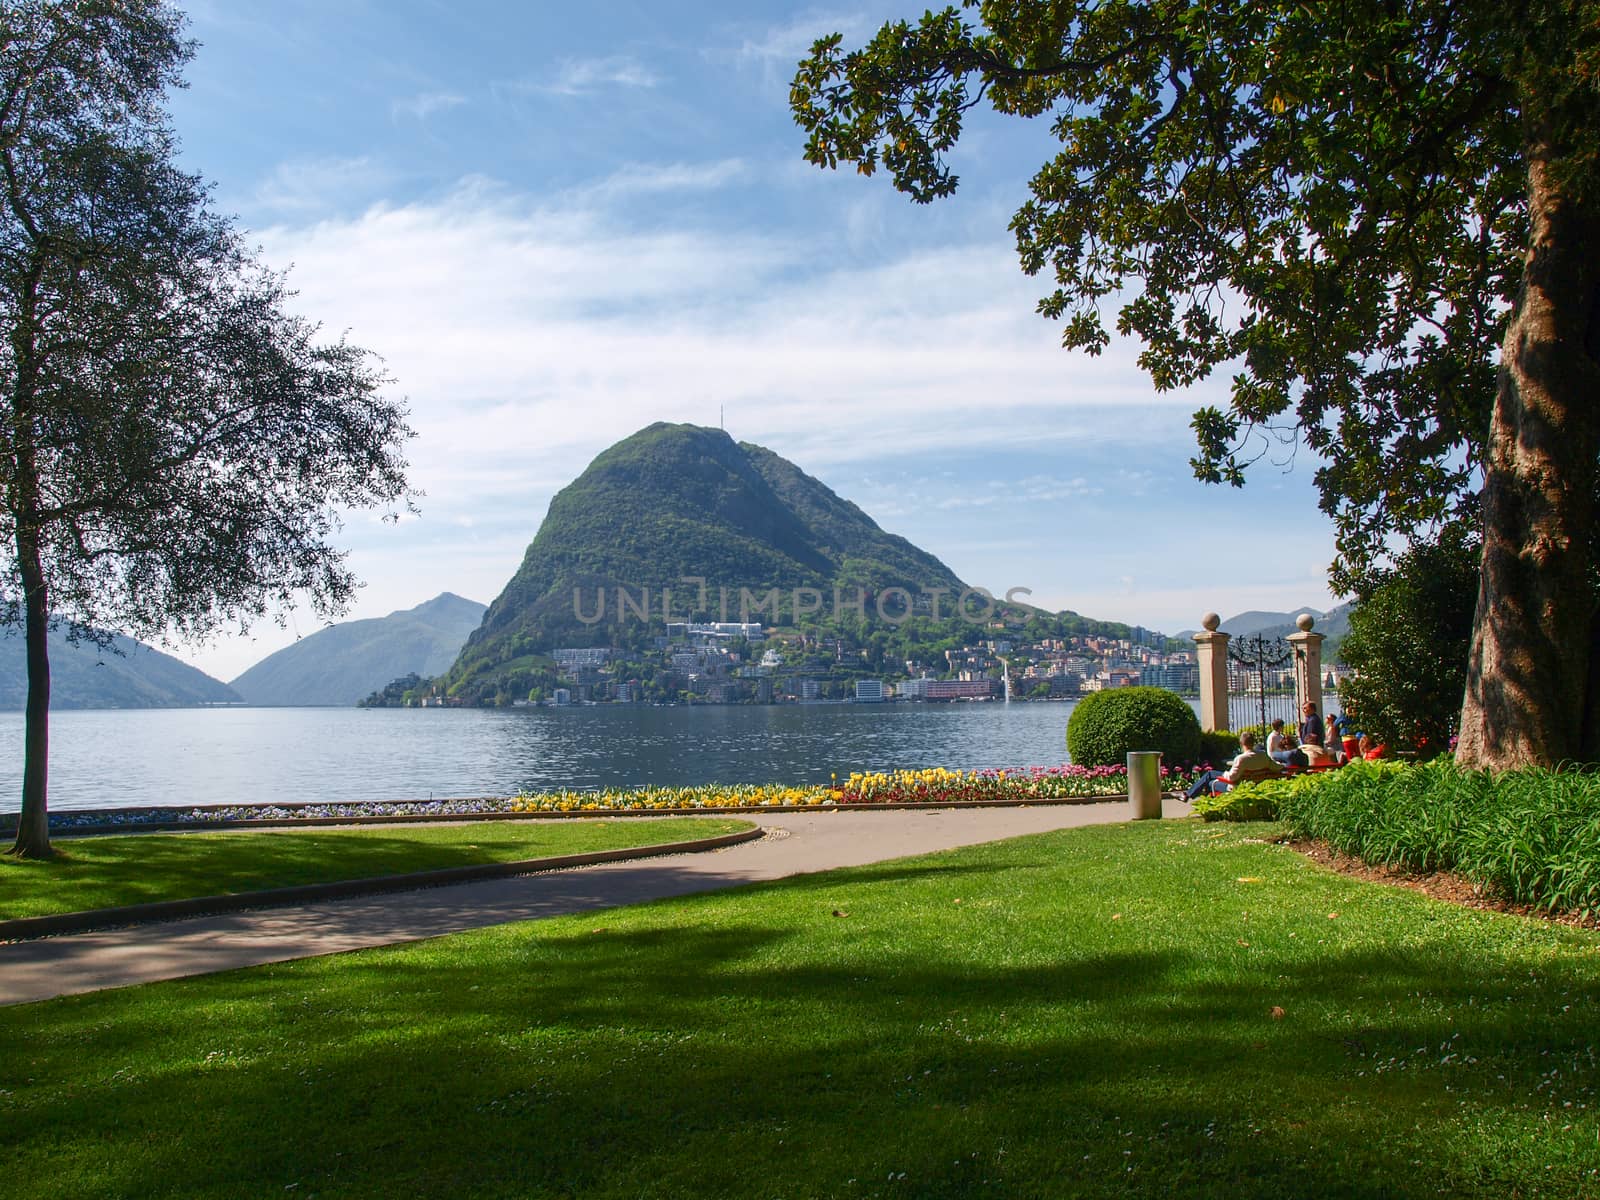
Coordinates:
x,y
24,928
575,814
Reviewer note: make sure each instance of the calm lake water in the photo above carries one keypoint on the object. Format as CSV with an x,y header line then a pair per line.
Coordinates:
x,y
128,758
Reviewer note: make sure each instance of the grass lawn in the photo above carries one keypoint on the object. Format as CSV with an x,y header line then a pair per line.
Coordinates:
x,y
102,872
1087,1013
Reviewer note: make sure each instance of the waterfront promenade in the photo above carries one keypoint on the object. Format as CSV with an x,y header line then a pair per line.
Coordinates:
x,y
795,844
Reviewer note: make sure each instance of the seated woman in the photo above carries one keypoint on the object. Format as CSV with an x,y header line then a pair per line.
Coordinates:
x,y
1281,748
1317,755
1250,764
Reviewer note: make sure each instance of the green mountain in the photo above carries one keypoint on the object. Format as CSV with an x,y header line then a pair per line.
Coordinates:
x,y
128,674
346,662
674,501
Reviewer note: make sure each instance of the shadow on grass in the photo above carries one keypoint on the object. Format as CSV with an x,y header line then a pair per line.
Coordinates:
x,y
102,872
657,1053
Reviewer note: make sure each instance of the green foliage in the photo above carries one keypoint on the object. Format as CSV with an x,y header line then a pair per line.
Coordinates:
x,y
1530,836
1408,642
396,693
1218,747
1244,802
1304,192
1105,726
1259,732
163,499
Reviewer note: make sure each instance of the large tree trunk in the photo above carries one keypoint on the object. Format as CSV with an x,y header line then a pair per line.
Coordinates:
x,y
1529,698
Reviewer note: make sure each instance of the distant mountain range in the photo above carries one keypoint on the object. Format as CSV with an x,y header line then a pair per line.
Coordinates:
x,y
128,674
346,662
1333,624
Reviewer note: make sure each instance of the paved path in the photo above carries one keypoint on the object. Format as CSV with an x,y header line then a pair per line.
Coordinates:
x,y
797,844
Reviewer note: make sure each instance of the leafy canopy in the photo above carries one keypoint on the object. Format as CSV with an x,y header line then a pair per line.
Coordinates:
x,y
175,445
1327,200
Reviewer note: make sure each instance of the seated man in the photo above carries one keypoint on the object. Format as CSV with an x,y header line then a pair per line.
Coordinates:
x,y
1318,755
1250,764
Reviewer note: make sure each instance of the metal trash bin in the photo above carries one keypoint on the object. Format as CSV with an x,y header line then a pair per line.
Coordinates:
x,y
1144,784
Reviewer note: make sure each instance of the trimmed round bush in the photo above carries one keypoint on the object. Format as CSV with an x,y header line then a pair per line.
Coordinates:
x,y
1106,725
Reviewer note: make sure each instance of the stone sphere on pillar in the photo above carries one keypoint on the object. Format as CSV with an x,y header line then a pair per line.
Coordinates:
x,y
1210,621
1304,622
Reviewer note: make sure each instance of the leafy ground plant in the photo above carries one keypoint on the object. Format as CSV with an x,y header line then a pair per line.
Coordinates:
x,y
1150,1010
1530,836
102,872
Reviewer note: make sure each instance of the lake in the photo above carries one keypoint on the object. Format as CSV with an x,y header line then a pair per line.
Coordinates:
x,y
137,757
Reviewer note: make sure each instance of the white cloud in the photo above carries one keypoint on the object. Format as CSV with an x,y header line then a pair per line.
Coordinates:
x,y
580,76
529,337
1042,489
636,179
785,45
772,52
423,105
314,185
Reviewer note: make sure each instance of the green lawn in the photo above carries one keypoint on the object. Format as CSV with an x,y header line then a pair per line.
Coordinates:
x,y
1088,1013
105,871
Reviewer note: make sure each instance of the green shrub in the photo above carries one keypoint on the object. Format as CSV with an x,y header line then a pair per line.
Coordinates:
x,y
1219,748
1106,725
1259,732
1408,640
1260,800
1247,802
1530,837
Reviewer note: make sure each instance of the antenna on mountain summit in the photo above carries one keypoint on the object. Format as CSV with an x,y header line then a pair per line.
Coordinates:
x,y
722,422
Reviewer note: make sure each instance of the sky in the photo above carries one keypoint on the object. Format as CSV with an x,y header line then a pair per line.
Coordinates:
x,y
556,226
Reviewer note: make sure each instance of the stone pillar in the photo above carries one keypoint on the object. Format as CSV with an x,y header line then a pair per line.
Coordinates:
x,y
1212,650
1307,665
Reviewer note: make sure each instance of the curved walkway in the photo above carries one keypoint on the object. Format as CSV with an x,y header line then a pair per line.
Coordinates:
x,y
797,843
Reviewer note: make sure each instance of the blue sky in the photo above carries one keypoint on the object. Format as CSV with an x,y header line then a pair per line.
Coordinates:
x,y
559,225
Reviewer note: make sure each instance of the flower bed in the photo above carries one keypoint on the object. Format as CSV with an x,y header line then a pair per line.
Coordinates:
x,y
932,785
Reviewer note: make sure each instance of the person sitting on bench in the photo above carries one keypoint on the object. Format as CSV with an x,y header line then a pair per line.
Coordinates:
x,y
1250,764
1281,748
1317,755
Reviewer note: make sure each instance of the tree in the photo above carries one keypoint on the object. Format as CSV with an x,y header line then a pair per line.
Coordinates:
x,y
1409,635
175,446
1348,206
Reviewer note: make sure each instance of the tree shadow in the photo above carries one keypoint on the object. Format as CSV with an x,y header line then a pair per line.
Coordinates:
x,y
136,869
659,1052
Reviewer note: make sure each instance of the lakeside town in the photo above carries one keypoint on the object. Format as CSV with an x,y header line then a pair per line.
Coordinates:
x,y
746,663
